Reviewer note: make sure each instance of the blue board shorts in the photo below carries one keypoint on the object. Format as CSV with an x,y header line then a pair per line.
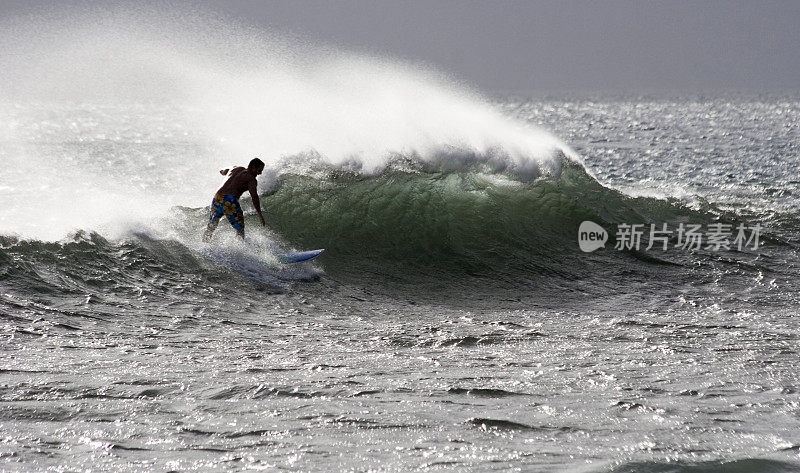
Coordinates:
x,y
227,205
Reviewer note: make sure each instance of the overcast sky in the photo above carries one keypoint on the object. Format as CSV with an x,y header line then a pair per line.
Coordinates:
x,y
609,45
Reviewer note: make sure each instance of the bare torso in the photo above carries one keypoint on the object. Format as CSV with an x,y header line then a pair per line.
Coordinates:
x,y
239,181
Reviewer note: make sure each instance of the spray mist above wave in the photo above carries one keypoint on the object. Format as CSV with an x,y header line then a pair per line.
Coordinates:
x,y
116,116
267,94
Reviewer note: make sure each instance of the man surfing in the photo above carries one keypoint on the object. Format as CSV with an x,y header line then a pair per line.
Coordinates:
x,y
226,201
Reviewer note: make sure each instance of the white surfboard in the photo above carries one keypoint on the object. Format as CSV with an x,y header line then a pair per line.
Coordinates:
x,y
298,256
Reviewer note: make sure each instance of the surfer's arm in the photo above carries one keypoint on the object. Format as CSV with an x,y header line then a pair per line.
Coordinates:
x,y
253,188
233,170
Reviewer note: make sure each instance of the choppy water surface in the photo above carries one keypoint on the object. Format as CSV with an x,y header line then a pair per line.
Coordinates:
x,y
453,323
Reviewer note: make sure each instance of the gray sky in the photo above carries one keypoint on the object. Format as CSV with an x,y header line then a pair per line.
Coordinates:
x,y
559,45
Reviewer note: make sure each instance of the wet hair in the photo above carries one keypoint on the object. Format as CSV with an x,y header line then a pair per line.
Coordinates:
x,y
255,163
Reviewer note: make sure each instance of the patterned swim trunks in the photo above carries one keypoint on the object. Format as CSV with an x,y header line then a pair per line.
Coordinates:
x,y
227,205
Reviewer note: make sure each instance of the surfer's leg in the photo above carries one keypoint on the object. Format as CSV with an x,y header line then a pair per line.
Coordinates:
x,y
237,221
216,212
235,215
209,231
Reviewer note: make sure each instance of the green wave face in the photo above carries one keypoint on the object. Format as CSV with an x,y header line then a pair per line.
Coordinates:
x,y
445,217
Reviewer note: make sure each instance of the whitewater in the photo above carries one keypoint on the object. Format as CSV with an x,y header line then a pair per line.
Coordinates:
x,y
453,322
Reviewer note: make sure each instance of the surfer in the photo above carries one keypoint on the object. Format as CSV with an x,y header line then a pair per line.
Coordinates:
x,y
226,201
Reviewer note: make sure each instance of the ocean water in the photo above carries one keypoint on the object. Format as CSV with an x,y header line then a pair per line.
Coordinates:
x,y
453,322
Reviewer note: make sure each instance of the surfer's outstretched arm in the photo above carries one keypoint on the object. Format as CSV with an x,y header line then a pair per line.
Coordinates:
x,y
253,188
